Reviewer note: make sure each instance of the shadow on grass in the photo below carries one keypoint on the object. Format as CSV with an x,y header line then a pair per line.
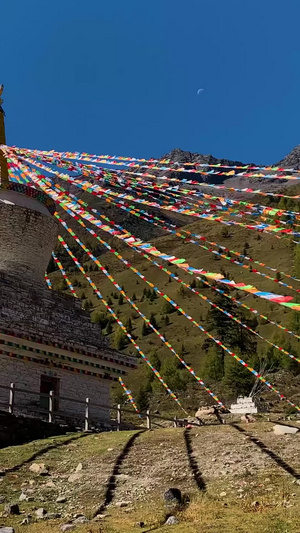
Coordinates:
x,y
112,482
192,461
40,453
278,460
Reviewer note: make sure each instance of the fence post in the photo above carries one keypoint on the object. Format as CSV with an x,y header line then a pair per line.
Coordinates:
x,y
11,398
119,416
51,402
148,419
175,421
87,414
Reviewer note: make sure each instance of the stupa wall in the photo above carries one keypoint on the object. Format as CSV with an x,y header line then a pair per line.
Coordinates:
x,y
27,376
27,240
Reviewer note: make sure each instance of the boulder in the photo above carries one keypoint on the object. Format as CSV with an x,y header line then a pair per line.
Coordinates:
x,y
79,467
284,430
40,469
248,418
205,411
7,530
67,527
40,513
80,520
172,496
172,521
37,468
12,508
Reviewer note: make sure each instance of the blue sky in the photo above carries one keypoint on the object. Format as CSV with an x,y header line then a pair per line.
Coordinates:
x,y
121,78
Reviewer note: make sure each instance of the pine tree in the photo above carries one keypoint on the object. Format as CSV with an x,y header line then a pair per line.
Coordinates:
x,y
134,297
182,351
228,331
142,397
166,320
153,320
63,285
128,325
120,340
155,361
109,300
173,376
214,364
87,305
121,299
167,308
153,296
100,318
237,378
109,328
144,329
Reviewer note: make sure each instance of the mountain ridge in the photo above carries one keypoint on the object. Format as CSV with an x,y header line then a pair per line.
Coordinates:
x,y
291,160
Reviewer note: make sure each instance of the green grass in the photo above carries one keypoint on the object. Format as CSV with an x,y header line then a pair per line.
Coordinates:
x,y
161,455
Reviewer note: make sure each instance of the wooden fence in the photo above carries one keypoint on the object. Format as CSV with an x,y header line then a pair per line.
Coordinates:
x,y
53,416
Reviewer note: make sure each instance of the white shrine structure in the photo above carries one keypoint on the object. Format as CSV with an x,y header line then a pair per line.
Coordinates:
x,y
244,405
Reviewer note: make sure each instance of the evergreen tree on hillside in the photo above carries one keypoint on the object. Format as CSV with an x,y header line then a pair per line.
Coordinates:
x,y
153,320
128,325
166,320
214,364
173,376
153,296
237,379
120,340
145,330
156,362
229,332
109,328
167,308
143,396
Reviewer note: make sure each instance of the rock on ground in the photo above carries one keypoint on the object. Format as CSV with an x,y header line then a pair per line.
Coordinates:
x,y
40,513
12,508
39,468
172,521
172,495
284,430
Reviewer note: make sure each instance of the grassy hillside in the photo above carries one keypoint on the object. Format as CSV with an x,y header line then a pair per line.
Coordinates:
x,y
186,338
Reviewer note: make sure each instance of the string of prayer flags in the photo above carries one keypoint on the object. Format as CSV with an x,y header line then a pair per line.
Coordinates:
x,y
129,396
